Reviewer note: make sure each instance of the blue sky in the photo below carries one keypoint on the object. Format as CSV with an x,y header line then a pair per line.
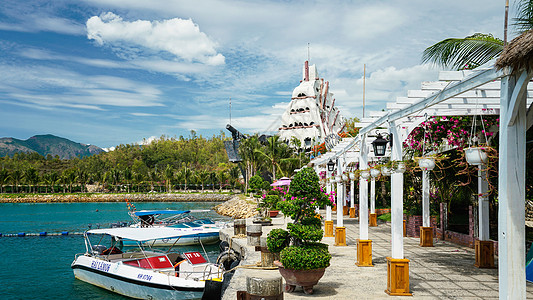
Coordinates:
x,y
110,72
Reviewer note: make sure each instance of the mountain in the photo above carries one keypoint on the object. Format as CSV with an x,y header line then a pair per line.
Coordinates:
x,y
47,144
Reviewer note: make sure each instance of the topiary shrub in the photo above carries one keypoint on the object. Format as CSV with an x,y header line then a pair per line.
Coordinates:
x,y
277,240
305,233
299,203
306,257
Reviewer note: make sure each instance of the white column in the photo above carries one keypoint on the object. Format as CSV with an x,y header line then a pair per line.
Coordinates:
x,y
328,190
483,204
511,188
396,197
363,193
425,199
340,193
352,188
373,195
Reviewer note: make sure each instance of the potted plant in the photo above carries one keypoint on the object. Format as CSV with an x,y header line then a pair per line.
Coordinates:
x,y
303,259
269,203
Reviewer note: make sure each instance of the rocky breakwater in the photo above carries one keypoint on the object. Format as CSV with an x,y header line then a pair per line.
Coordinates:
x,y
151,197
237,208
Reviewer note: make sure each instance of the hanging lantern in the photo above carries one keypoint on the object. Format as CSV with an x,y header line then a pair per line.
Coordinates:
x,y
352,176
379,145
365,174
344,177
331,165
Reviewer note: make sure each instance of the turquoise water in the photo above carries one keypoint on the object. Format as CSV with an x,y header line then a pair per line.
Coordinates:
x,y
36,267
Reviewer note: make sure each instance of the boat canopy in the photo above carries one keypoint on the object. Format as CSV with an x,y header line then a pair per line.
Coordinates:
x,y
160,212
144,234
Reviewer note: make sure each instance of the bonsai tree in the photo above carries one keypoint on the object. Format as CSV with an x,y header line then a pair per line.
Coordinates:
x,y
299,246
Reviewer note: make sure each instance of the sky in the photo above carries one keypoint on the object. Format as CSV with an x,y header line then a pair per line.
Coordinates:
x,y
111,72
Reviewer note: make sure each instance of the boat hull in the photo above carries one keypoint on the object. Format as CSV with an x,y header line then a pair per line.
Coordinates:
x,y
135,282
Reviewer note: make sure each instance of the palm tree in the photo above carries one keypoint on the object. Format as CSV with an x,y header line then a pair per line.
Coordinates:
x,y
203,176
82,178
128,176
152,176
222,177
16,177
139,177
169,175
4,175
115,177
53,178
274,152
250,157
477,49
69,177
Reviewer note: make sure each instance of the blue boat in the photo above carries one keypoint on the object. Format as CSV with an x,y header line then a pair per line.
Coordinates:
x,y
190,231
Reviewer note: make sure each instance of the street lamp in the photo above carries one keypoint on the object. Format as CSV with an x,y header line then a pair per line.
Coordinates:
x,y
380,144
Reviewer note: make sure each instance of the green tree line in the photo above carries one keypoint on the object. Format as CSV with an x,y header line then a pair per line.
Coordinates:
x,y
165,164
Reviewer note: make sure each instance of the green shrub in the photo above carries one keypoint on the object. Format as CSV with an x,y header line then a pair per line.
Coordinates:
x,y
256,183
306,257
312,222
305,232
277,240
270,202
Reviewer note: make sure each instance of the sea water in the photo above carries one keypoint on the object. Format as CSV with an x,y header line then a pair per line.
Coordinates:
x,y
38,267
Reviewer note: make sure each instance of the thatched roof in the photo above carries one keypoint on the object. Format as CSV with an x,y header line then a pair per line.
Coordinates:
x,y
518,54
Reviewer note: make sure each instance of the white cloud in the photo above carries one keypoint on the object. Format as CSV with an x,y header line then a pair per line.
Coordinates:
x,y
147,141
56,87
181,38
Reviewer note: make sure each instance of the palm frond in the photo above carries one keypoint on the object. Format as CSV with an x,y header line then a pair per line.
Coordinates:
x,y
464,53
524,16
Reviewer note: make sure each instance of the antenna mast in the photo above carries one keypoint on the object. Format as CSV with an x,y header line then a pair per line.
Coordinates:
x,y
230,110
364,78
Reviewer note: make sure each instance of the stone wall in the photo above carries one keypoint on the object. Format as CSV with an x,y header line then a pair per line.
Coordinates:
x,y
237,208
150,197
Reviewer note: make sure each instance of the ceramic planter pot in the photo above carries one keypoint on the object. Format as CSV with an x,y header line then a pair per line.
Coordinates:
x,y
476,156
273,213
304,278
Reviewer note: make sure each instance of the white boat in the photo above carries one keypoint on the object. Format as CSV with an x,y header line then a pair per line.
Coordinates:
x,y
192,231
142,272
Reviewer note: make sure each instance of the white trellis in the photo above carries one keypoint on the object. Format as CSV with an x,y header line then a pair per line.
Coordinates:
x,y
473,92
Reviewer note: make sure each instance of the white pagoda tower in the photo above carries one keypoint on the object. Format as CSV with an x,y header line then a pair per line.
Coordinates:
x,y
311,116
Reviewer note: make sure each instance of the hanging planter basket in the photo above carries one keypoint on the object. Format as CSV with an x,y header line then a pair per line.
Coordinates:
x,y
476,155
426,163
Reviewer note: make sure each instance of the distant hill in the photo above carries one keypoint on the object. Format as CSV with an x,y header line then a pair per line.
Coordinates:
x,y
47,144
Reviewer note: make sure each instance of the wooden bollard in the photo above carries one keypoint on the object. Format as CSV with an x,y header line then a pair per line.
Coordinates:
x,y
267,257
262,286
253,233
239,226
